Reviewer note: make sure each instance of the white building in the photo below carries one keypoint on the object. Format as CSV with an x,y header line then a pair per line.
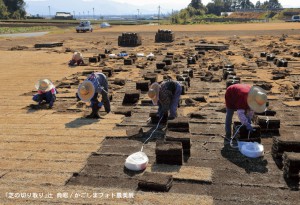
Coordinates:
x,y
63,15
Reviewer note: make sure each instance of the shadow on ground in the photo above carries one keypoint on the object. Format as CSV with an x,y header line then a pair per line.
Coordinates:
x,y
249,164
35,107
79,122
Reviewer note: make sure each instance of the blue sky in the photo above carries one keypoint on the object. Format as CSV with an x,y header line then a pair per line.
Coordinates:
x,y
118,6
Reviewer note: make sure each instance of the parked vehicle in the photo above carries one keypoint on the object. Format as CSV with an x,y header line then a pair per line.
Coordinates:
x,y
84,26
296,18
105,25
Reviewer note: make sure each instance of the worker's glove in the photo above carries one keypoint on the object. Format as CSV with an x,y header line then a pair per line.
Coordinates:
x,y
100,104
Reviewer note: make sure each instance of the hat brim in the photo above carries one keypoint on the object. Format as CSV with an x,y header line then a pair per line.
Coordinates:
x,y
77,56
91,91
50,85
251,100
155,87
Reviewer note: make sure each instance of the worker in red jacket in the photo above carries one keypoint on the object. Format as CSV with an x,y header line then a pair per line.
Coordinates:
x,y
245,99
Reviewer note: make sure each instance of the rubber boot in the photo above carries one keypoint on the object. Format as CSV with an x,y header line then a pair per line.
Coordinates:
x,y
95,110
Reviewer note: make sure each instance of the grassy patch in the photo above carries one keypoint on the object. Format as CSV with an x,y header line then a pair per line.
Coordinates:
x,y
287,14
8,30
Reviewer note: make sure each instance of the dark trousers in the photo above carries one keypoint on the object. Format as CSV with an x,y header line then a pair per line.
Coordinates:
x,y
48,97
104,100
73,62
228,122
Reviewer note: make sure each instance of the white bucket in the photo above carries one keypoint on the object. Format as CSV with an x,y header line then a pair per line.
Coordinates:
x,y
140,55
137,161
251,149
112,55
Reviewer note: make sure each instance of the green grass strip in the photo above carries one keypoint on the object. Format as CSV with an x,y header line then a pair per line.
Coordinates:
x,y
8,30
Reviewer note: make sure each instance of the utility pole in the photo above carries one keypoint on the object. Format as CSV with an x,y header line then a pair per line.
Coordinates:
x,y
172,16
138,14
49,12
74,15
158,16
93,13
88,16
83,14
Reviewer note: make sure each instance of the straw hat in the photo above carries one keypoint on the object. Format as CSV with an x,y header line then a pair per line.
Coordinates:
x,y
86,91
77,56
257,99
44,85
153,93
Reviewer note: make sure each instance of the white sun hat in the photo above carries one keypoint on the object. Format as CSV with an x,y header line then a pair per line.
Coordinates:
x,y
153,92
44,85
257,99
86,91
77,56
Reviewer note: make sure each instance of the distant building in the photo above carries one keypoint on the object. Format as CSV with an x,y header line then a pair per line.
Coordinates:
x,y
226,13
28,15
63,16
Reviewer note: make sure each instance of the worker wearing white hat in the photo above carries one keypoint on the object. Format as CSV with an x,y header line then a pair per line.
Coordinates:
x,y
88,91
46,92
76,59
246,100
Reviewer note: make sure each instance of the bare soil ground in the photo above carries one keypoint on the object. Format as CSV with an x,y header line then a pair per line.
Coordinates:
x,y
58,156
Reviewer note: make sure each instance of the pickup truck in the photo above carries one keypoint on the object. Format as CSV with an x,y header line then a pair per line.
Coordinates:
x,y
84,26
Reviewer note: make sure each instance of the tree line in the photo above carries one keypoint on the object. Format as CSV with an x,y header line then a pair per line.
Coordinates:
x,y
15,9
197,9
12,9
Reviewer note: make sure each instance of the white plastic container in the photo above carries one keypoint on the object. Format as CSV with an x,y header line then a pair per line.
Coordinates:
x,y
140,55
137,161
251,149
112,55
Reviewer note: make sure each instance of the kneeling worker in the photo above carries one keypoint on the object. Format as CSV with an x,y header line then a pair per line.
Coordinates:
x,y
88,91
166,96
76,59
46,92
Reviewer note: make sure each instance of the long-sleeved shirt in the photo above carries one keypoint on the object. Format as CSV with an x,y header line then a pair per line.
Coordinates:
x,y
53,91
169,96
236,99
99,81
236,96
245,117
